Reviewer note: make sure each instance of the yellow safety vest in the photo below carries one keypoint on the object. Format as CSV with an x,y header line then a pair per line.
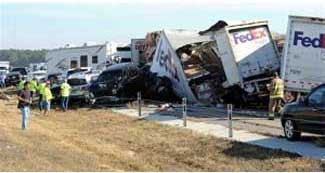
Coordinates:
x,y
65,90
41,88
33,85
21,84
47,94
277,89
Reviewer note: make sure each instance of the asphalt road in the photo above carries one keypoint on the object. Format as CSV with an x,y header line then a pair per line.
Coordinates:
x,y
251,121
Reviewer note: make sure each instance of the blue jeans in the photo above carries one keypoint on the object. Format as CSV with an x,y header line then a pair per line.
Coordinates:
x,y
2,84
40,102
25,114
47,105
64,103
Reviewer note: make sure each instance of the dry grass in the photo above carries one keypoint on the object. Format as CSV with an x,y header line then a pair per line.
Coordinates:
x,y
99,140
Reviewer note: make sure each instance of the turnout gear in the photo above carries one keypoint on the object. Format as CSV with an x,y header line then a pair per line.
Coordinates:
x,y
276,95
277,89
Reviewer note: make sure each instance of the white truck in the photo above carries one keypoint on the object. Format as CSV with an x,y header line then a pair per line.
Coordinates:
x,y
4,67
303,62
232,63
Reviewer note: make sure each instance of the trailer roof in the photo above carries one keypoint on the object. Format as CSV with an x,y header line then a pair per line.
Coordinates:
x,y
178,38
78,47
307,17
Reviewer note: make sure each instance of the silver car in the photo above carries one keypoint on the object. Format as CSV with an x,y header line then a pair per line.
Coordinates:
x,y
80,83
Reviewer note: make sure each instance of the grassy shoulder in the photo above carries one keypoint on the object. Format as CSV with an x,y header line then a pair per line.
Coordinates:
x,y
99,140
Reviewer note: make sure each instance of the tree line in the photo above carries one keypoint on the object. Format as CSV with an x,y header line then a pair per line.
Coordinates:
x,y
22,58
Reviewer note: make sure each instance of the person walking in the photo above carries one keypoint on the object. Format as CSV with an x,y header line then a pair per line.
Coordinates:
x,y
40,89
2,80
47,97
33,87
24,102
65,93
276,94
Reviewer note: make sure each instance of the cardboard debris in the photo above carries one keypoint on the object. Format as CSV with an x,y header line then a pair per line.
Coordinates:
x,y
203,70
150,44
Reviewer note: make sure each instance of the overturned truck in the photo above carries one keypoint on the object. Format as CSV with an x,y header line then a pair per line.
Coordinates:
x,y
224,64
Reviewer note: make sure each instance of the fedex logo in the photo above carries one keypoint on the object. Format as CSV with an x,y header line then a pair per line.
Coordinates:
x,y
251,35
307,41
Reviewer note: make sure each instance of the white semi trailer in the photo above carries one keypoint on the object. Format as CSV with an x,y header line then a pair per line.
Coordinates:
x,y
303,62
248,54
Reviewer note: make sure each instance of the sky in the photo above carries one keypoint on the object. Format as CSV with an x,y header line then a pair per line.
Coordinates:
x,y
36,24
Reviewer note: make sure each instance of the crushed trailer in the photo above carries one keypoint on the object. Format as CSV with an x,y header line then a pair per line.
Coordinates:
x,y
224,64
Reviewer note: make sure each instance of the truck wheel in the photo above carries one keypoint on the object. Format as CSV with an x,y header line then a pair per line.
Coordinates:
x,y
290,130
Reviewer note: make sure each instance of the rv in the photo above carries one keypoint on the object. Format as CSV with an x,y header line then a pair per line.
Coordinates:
x,y
63,59
37,67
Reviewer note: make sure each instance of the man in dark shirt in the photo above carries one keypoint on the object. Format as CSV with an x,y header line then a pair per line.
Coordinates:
x,y
24,102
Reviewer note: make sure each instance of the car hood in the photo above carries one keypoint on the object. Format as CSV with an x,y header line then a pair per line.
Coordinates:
x,y
13,73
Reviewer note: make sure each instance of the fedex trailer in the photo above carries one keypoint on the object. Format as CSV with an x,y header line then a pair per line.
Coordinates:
x,y
303,62
247,52
232,64
249,57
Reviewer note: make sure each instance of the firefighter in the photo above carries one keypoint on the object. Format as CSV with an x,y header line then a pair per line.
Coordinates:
x,y
276,94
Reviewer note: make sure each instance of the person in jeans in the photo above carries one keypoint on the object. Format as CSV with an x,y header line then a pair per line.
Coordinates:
x,y
33,87
47,97
24,102
65,92
40,89
2,80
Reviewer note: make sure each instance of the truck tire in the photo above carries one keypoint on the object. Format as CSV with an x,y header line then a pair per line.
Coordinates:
x,y
290,130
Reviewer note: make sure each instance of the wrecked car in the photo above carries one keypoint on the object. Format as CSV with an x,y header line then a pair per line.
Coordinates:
x,y
80,83
122,82
110,83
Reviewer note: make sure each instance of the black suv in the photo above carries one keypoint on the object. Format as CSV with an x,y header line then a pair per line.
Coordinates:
x,y
119,80
306,115
21,70
14,76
